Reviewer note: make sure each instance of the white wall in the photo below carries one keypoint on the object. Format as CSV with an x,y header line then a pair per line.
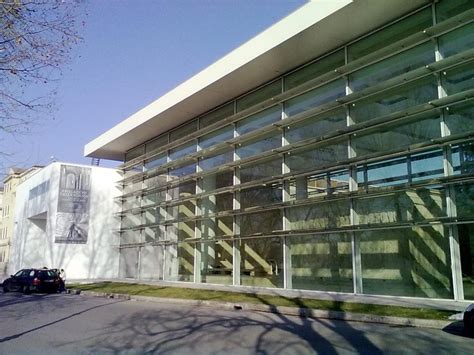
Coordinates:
x,y
33,243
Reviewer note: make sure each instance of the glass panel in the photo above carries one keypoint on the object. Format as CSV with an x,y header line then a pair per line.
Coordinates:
x,y
394,100
137,169
155,161
463,158
130,237
317,157
216,262
171,264
460,118
465,200
156,143
404,206
427,165
260,196
134,153
457,41
319,185
466,248
316,97
182,150
450,8
397,65
261,145
316,126
216,227
216,203
151,262
131,202
313,70
262,94
323,215
183,130
458,79
182,171
322,262
382,174
259,120
132,186
261,222
391,137
217,115
154,198
260,170
154,182
216,160
215,181
391,34
186,262
216,137
129,262
411,262
261,262
184,190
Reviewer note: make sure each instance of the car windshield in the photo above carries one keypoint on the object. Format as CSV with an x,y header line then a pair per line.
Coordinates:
x,y
47,274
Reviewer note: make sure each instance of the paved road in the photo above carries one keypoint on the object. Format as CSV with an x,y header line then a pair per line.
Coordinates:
x,y
81,324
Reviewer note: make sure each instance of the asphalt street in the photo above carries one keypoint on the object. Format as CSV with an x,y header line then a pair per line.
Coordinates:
x,y
83,324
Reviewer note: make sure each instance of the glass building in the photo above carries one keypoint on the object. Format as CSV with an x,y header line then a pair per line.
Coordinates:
x,y
349,168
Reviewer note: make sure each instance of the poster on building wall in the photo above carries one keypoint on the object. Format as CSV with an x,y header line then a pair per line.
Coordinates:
x,y
72,218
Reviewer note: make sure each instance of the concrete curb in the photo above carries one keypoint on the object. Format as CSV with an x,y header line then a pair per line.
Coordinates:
x,y
292,311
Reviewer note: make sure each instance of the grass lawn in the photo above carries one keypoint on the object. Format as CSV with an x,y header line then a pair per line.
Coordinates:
x,y
235,297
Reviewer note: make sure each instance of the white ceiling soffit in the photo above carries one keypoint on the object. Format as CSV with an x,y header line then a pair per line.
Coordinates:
x,y
312,30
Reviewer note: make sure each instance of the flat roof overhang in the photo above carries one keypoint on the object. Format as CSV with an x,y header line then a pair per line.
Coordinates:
x,y
312,30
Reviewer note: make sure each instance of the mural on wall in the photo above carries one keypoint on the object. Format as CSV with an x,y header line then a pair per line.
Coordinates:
x,y
72,218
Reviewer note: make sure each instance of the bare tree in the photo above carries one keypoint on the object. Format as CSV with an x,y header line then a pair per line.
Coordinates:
x,y
36,38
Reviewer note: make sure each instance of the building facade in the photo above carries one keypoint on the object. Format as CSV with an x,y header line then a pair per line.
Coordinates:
x,y
336,155
14,177
64,219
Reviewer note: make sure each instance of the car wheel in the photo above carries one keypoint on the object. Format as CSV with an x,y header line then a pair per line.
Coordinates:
x,y
26,290
5,288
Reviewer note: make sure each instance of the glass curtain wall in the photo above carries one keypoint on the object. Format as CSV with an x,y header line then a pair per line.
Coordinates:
x,y
352,173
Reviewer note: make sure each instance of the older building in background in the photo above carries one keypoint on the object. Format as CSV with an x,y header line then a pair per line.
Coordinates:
x,y
14,177
64,219
332,152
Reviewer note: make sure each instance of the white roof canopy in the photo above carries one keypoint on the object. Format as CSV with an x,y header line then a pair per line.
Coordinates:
x,y
312,30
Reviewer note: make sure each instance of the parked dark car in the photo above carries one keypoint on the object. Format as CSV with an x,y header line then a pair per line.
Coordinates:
x,y
31,280
468,319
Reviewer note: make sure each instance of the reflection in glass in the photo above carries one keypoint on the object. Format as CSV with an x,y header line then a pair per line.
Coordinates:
x,y
394,100
316,126
401,207
266,92
389,68
412,262
324,215
216,262
316,97
322,262
261,262
259,120
318,157
315,69
391,34
396,137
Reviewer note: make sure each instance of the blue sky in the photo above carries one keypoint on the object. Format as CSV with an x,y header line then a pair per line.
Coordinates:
x,y
133,52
